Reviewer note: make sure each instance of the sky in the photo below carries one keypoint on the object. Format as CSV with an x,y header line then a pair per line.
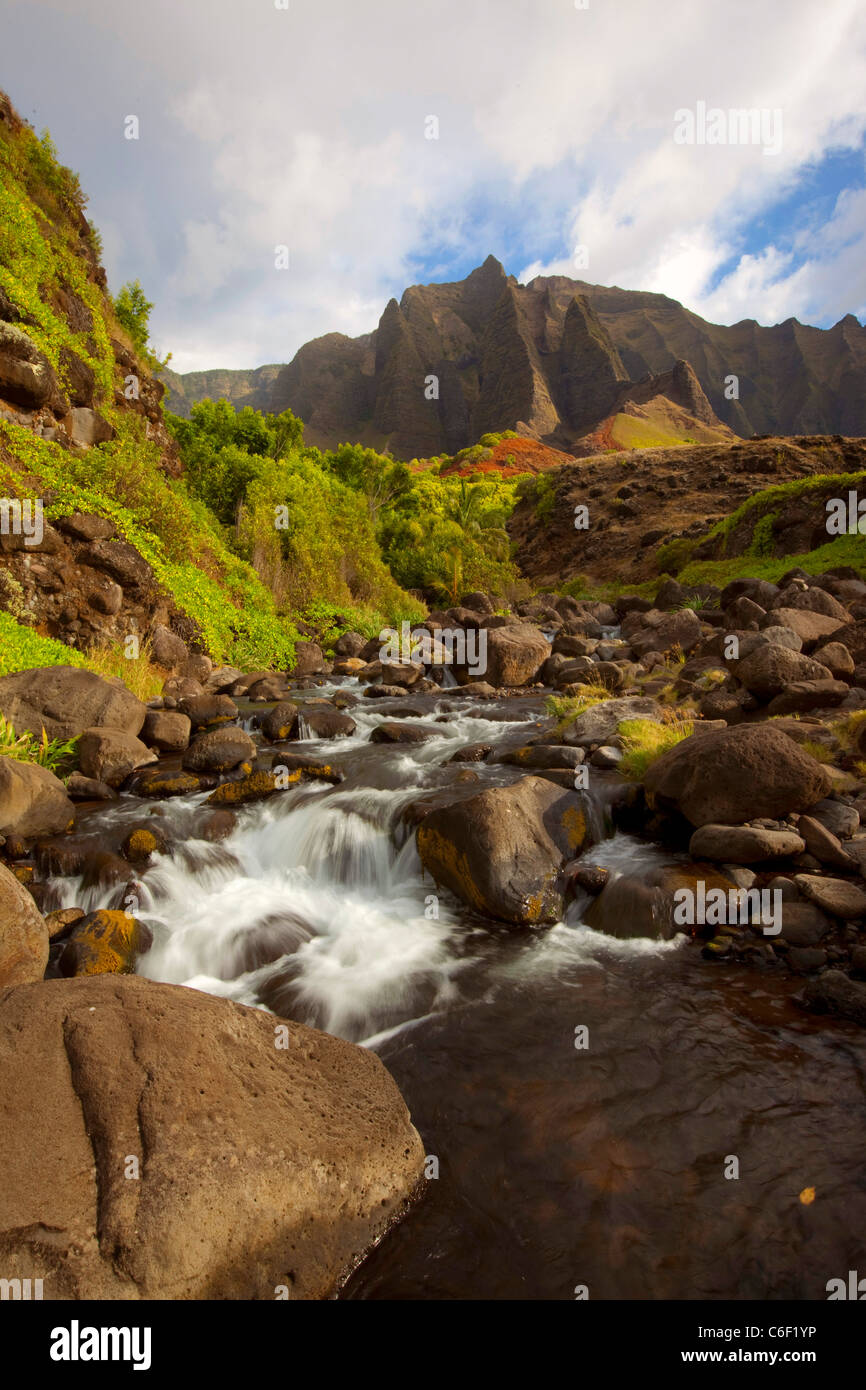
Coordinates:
x,y
390,143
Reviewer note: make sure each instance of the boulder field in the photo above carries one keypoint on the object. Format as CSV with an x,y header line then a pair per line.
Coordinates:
x,y
726,728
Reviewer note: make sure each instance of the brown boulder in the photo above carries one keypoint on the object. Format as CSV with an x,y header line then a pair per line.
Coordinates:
x,y
110,755
219,750
66,700
770,669
514,655
32,800
502,850
270,1157
167,730
735,775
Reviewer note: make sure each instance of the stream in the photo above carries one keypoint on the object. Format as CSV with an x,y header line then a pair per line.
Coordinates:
x,y
559,1166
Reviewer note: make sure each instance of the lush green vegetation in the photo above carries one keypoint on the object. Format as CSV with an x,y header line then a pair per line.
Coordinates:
x,y
53,753
644,740
346,527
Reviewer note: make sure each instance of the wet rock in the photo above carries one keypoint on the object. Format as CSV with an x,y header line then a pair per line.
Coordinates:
x,y
141,843
160,783
23,934
278,723
110,755
590,877
270,688
478,690
323,723
806,959
728,777
81,788
205,711
262,1167
834,895
835,993
167,730
502,850
472,753
743,844
66,700
383,692
393,732
219,750
104,943
543,756
32,800
216,826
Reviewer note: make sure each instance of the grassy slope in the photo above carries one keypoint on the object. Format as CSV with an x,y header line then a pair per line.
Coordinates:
x,y
41,250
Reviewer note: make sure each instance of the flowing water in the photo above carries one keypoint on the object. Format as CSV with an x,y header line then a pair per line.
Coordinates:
x,y
601,1165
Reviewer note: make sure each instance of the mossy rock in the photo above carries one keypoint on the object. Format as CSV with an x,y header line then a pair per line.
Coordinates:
x,y
141,843
168,784
106,942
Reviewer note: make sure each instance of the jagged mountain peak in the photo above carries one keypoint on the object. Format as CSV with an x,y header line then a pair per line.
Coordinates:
x,y
552,358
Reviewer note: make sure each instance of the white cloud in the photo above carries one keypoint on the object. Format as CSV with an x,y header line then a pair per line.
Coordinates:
x,y
306,127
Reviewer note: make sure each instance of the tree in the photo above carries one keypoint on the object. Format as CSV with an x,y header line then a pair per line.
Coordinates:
x,y
132,311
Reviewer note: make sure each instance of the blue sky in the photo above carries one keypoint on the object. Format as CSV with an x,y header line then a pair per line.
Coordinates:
x,y
307,127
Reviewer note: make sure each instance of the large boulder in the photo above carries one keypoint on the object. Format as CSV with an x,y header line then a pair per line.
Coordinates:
x,y
110,755
502,851
268,1157
219,750
768,670
514,655
32,800
738,774
167,730
809,627
23,934
682,630
309,659
66,700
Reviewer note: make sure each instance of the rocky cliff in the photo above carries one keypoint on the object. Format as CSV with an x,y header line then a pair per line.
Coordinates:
x,y
553,359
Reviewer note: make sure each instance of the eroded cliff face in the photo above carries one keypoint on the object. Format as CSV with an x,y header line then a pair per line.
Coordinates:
x,y
554,359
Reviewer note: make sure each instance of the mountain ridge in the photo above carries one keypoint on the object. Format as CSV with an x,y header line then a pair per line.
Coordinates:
x,y
552,359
